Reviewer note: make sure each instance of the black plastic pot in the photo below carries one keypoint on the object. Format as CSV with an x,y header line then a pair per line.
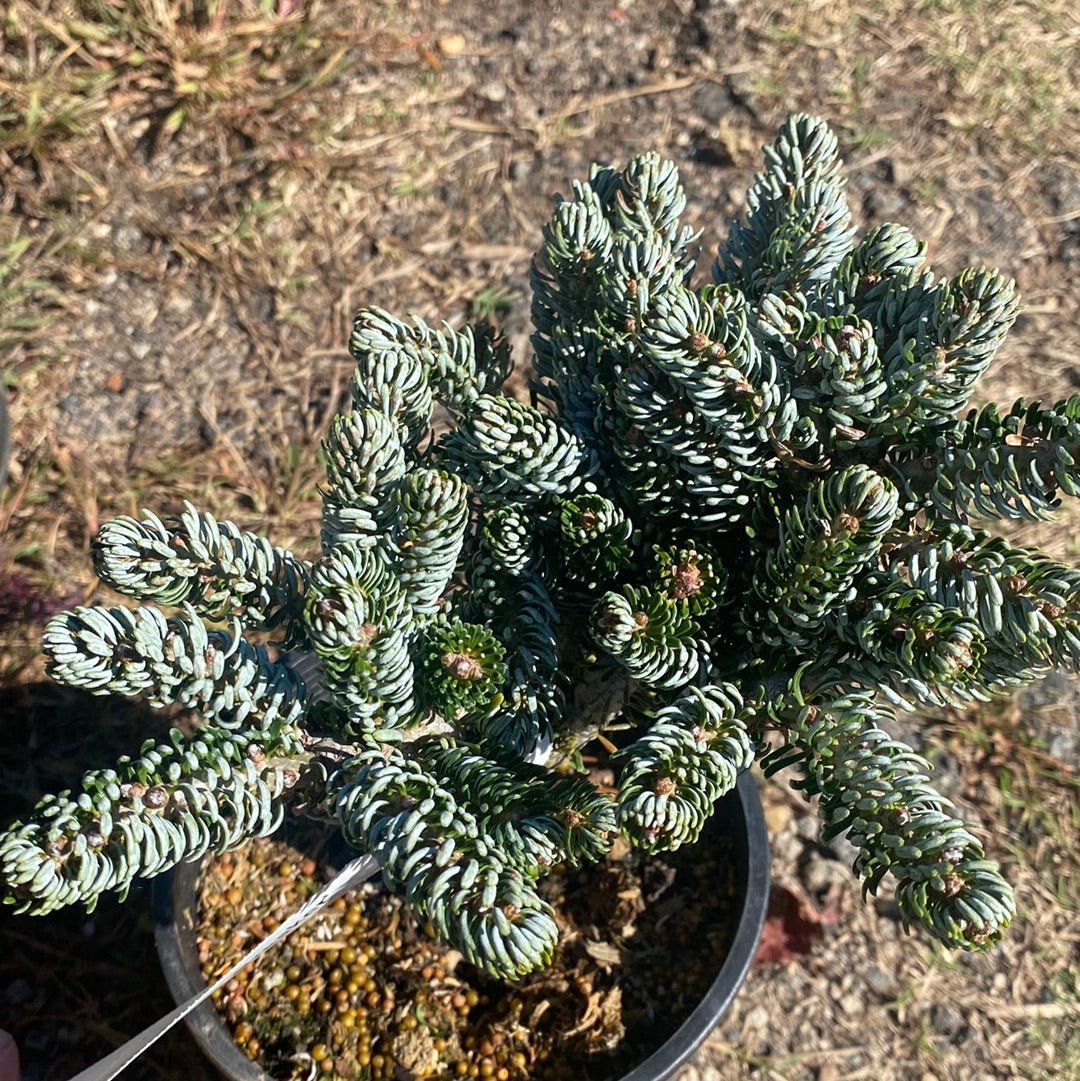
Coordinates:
x,y
738,816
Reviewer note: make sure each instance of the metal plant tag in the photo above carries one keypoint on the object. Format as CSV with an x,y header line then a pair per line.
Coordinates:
x,y
351,875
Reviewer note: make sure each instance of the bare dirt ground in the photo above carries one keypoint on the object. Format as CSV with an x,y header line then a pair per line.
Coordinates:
x,y
197,195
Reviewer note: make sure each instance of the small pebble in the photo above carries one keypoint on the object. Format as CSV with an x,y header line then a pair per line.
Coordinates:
x,y
451,44
880,982
947,1020
852,1005
777,816
494,91
757,1018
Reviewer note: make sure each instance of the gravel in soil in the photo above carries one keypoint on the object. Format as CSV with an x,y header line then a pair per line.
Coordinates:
x,y
360,992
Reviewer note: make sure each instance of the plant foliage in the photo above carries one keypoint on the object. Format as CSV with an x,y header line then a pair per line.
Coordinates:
x,y
737,519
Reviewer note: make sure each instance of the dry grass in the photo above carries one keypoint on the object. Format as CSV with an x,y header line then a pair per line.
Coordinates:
x,y
194,196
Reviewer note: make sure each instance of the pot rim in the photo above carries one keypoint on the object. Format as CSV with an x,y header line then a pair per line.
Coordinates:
x,y
691,1034
179,959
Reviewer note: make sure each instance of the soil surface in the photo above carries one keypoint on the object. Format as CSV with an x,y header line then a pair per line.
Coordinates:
x,y
194,197
359,992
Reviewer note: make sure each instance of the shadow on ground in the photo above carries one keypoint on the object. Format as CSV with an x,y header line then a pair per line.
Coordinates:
x,y
74,986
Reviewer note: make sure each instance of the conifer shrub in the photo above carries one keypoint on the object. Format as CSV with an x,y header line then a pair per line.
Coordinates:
x,y
737,520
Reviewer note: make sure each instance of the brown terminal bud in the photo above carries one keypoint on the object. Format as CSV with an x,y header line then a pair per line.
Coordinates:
x,y
698,342
462,666
1016,583
664,785
687,579
156,797
953,884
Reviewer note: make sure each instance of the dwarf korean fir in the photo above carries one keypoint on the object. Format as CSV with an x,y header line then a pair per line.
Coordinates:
x,y
737,520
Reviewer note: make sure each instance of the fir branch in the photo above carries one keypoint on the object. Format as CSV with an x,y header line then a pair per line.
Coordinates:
x,y
431,848
176,801
964,321
1026,605
642,271
799,225
693,579
463,364
865,274
391,376
520,611
423,547
359,621
911,635
507,533
573,365
819,553
702,479
993,466
703,343
213,566
532,709
648,635
673,775
533,701
594,534
647,202
462,668
874,789
173,661
577,244
537,821
839,380
365,464
506,450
